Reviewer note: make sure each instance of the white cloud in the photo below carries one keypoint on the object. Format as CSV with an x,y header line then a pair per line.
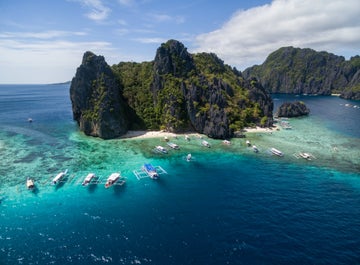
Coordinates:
x,y
44,61
49,34
250,35
127,2
150,40
98,11
160,18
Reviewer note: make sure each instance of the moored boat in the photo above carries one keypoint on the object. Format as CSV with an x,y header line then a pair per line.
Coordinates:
x,y
88,179
59,177
276,152
112,179
161,149
30,183
248,143
205,143
173,145
255,149
188,157
150,171
226,142
306,156
187,138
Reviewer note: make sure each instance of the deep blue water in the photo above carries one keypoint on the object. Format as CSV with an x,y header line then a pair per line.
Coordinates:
x,y
228,206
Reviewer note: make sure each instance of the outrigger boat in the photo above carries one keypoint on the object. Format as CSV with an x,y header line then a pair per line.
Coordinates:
x,y
255,149
205,143
276,152
112,179
188,157
248,143
30,183
306,156
173,145
227,142
161,149
59,177
150,171
187,138
88,179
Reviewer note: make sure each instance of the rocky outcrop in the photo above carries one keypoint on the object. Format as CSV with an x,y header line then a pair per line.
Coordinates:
x,y
305,71
292,109
96,100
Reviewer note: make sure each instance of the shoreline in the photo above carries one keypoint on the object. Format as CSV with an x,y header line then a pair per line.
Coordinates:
x,y
142,134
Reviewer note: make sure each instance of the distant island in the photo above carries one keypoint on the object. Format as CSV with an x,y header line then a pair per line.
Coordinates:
x,y
179,91
176,92
305,71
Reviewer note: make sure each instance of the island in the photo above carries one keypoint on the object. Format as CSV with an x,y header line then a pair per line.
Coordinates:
x,y
176,92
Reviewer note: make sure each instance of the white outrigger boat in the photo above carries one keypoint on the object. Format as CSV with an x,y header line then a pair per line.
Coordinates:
x,y
59,177
206,144
188,157
30,183
161,149
248,143
187,138
112,179
150,171
255,149
306,156
88,179
173,145
227,142
276,152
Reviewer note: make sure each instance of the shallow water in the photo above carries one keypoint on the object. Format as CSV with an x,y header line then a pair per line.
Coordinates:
x,y
227,206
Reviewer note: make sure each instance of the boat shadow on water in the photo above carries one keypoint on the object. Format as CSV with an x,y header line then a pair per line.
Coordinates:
x,y
119,189
92,187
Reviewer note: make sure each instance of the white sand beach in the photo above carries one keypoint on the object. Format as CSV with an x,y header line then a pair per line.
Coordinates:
x,y
258,129
158,134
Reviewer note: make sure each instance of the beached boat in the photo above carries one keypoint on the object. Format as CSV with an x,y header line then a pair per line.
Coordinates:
x,y
30,183
161,149
59,177
173,145
112,179
188,157
88,179
255,149
226,142
150,171
276,152
206,144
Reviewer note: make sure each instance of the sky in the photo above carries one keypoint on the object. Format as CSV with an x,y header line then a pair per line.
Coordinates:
x,y
43,41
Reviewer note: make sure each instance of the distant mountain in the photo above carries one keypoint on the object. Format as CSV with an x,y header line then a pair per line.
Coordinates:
x,y
177,91
305,71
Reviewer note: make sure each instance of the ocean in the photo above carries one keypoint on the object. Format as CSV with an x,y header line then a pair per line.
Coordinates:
x,y
228,205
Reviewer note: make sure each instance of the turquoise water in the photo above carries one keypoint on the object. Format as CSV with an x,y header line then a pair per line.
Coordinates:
x,y
228,206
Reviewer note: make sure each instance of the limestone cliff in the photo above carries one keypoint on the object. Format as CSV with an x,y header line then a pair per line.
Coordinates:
x,y
305,71
96,101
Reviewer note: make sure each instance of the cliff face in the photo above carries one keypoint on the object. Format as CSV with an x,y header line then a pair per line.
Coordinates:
x,y
96,101
304,71
178,91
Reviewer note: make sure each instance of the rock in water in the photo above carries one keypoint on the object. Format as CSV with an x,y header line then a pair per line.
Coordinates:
x,y
96,99
293,109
